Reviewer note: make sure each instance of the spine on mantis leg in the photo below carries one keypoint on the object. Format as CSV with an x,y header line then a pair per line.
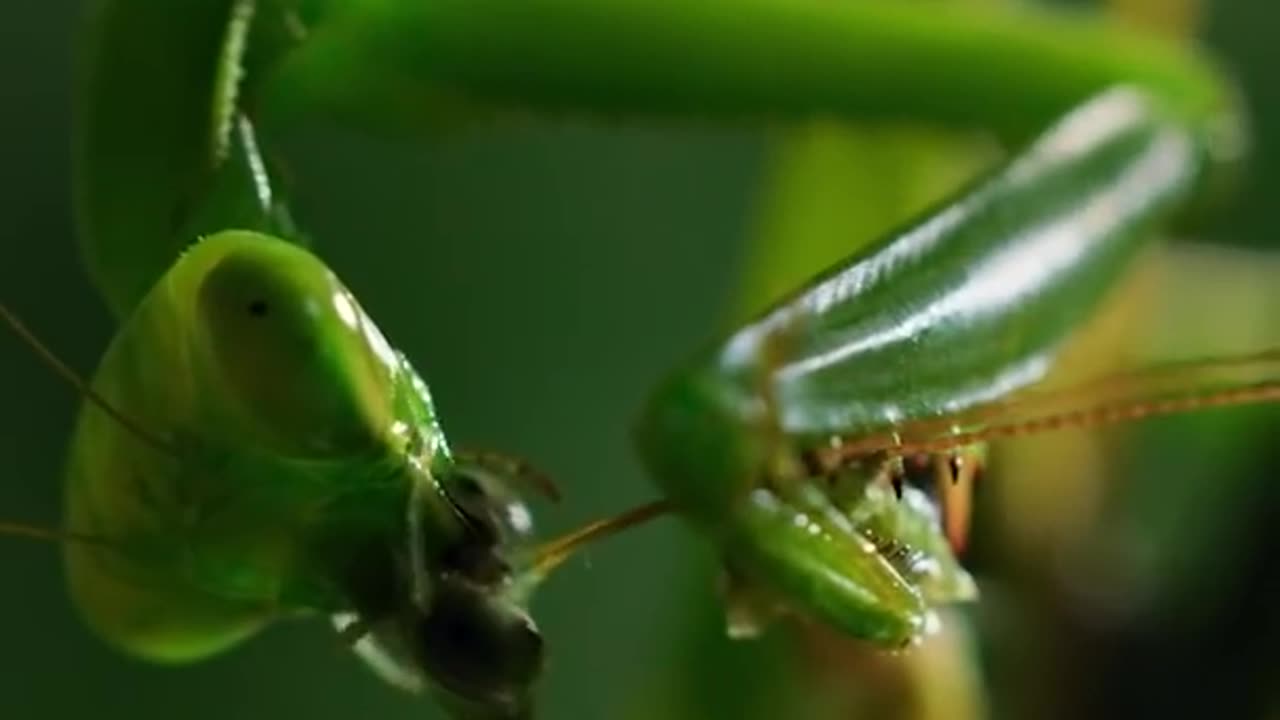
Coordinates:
x,y
1012,70
163,147
965,306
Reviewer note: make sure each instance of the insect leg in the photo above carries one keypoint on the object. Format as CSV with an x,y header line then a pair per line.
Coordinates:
x,y
955,475
802,547
507,466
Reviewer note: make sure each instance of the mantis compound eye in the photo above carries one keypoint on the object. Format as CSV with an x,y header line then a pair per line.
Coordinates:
x,y
497,522
496,511
307,373
482,651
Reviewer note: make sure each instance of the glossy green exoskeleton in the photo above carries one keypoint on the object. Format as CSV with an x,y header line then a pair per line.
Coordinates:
x,y
299,468
254,448
957,311
292,462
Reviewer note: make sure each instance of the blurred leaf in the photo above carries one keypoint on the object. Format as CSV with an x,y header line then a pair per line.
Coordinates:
x,y
1184,483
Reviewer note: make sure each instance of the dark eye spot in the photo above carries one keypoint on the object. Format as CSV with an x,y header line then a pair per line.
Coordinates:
x,y
469,486
258,308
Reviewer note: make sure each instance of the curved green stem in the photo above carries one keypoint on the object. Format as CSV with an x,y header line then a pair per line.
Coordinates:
x,y
718,60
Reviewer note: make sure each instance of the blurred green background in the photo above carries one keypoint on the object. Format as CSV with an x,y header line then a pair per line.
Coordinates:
x,y
541,276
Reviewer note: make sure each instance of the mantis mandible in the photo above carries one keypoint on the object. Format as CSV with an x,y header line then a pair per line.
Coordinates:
x,y
293,460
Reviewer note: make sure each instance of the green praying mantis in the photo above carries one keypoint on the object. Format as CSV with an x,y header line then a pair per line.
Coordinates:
x,y
252,447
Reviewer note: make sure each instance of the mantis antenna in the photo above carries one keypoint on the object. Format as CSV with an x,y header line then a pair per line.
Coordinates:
x,y
1106,414
43,534
1134,395
64,371
511,467
1127,397
551,554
